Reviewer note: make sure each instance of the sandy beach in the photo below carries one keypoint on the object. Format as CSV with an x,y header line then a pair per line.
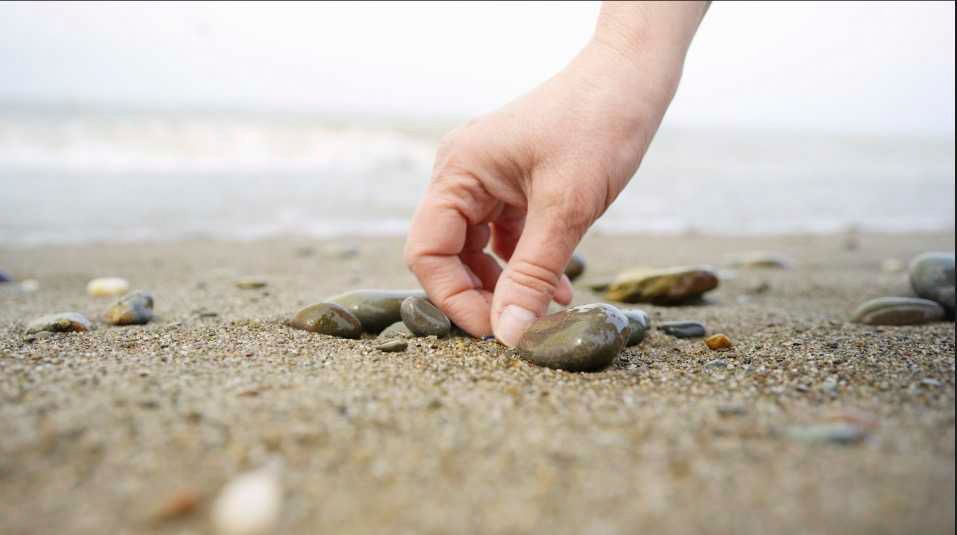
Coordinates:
x,y
102,431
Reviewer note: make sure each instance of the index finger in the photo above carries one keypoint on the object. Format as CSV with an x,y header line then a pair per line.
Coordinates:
x,y
436,238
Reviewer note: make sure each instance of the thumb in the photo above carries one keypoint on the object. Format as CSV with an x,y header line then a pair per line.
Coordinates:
x,y
535,270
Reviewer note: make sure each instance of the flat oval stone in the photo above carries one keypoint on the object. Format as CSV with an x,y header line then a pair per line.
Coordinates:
x,y
251,283
327,318
133,309
662,286
393,346
575,267
581,338
759,260
59,323
932,276
375,309
683,329
423,318
396,330
638,325
107,287
898,311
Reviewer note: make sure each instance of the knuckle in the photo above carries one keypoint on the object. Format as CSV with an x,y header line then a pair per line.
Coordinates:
x,y
535,277
574,208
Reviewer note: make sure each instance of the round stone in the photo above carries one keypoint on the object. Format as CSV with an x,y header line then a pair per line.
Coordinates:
x,y
898,311
683,329
932,277
396,330
423,318
327,318
581,338
662,286
638,325
59,323
575,267
718,342
375,309
107,287
133,309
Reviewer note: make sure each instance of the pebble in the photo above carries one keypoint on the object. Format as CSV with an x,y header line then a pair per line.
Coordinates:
x,y
29,285
396,330
892,265
580,338
327,318
759,260
250,283
716,364
834,433
249,504
638,325
375,309
423,318
5,278
59,323
932,277
718,342
683,329
575,267
107,287
732,409
393,346
133,309
898,311
662,286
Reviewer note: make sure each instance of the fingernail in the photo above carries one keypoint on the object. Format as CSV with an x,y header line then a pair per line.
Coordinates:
x,y
512,324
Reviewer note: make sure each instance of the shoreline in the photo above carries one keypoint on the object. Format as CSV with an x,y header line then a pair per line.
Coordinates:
x,y
459,435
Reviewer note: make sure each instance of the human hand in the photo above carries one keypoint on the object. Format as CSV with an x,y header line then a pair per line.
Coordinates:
x,y
530,179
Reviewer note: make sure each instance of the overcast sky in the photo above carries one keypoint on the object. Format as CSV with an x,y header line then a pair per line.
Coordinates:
x,y
861,67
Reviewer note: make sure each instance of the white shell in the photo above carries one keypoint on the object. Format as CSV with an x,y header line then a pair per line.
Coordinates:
x,y
249,504
107,287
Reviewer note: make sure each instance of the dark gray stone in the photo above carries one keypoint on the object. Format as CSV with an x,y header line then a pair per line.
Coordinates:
x,y
638,325
575,267
683,329
327,318
423,318
932,276
581,338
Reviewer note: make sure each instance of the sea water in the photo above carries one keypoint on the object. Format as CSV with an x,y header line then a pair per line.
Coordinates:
x,y
73,176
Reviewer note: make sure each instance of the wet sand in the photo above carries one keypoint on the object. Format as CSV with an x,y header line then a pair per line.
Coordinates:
x,y
100,430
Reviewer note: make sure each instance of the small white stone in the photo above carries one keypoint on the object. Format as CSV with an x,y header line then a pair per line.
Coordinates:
x,y
107,287
249,504
30,285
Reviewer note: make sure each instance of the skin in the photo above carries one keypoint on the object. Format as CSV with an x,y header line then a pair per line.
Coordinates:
x,y
530,178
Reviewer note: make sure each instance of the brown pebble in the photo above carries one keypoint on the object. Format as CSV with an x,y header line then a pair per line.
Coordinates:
x,y
718,342
179,504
